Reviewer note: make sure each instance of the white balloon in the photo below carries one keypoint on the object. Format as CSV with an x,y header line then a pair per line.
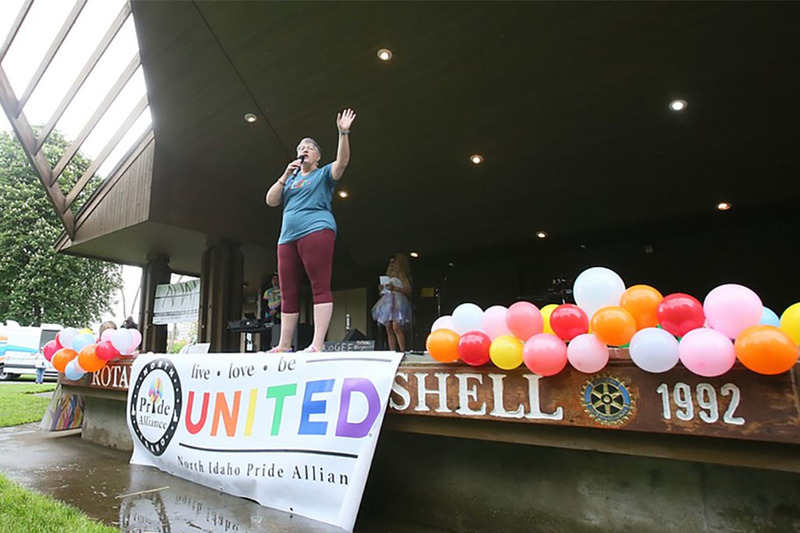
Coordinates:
x,y
443,322
597,287
66,335
122,340
467,317
654,350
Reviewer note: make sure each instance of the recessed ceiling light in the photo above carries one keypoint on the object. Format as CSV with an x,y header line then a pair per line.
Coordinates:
x,y
343,194
724,206
541,234
250,117
476,159
678,105
384,54
414,254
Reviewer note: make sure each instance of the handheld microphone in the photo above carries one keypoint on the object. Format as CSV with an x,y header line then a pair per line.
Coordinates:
x,y
297,170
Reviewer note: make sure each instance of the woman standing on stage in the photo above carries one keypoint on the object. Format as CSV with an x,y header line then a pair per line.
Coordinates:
x,y
393,310
308,232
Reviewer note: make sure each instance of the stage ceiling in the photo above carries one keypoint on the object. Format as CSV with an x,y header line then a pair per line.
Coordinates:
x,y
567,103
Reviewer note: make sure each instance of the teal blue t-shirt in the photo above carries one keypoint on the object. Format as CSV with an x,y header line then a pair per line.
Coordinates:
x,y
307,204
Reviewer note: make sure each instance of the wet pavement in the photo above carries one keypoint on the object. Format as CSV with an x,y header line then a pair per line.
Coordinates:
x,y
138,499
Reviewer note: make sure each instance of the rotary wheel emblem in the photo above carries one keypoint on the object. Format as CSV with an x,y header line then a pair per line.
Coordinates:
x,y
607,401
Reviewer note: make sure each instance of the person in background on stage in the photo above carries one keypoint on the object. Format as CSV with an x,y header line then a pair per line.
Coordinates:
x,y
130,324
108,324
273,298
393,309
308,232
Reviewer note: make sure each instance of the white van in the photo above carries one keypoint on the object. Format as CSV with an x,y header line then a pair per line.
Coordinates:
x,y
19,346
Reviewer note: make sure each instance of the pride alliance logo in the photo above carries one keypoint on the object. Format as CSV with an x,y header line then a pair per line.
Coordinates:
x,y
156,405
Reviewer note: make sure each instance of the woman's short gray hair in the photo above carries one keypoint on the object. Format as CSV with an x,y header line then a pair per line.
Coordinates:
x,y
315,143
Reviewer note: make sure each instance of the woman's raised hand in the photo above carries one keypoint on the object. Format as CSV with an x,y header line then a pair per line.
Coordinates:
x,y
345,119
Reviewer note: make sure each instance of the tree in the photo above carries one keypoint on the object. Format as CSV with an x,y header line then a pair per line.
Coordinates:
x,y
37,284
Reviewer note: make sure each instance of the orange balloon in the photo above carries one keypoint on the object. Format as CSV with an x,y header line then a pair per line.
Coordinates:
x,y
766,350
62,357
613,325
88,360
442,344
642,302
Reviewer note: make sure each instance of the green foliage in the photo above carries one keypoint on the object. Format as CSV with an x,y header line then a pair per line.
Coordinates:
x,y
36,284
23,511
19,405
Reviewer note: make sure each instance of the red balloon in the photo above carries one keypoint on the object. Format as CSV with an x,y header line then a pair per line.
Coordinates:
x,y
680,313
106,351
568,321
473,348
50,348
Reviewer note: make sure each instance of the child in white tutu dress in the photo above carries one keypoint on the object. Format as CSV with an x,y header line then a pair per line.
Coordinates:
x,y
393,309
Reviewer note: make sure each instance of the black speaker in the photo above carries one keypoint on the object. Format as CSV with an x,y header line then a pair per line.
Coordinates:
x,y
355,335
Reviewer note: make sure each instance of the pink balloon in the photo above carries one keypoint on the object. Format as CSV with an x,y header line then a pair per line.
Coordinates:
x,y
524,320
137,339
587,354
106,335
545,354
50,348
494,321
706,352
732,308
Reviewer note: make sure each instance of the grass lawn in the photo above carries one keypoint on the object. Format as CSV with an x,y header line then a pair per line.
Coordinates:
x,y
22,511
18,405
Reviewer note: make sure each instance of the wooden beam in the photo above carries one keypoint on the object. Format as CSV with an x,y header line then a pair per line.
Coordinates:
x,y
48,57
84,74
106,151
25,136
95,118
12,33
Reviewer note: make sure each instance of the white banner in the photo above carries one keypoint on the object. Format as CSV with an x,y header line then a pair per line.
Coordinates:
x,y
177,302
294,432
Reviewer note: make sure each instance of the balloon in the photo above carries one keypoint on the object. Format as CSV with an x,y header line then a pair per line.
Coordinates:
x,y
106,351
769,318
524,320
62,357
597,287
506,352
65,337
137,339
494,321
81,340
613,325
467,317
122,340
546,311
73,371
654,350
106,335
442,344
545,354
86,330
706,352
88,360
790,322
49,349
680,313
732,308
766,350
587,354
568,321
642,301
473,348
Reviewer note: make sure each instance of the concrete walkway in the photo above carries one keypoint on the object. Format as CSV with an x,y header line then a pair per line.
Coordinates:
x,y
137,499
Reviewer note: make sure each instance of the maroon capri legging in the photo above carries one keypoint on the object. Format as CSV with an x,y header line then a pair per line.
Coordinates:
x,y
314,253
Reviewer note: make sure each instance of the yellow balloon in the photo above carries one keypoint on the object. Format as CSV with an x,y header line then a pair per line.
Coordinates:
x,y
506,352
790,322
86,330
547,310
